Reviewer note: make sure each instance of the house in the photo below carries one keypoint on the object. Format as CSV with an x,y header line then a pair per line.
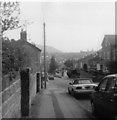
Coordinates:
x,y
32,61
32,52
108,53
87,62
108,44
103,60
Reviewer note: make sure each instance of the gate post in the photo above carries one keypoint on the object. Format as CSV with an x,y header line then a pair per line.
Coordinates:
x,y
25,98
42,80
38,82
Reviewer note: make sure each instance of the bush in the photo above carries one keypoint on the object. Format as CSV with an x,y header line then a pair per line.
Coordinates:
x,y
13,56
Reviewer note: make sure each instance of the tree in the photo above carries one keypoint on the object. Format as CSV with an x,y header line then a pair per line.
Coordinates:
x,y
14,57
53,65
9,12
9,15
69,63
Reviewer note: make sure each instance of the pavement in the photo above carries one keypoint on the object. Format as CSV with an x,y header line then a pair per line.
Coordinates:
x,y
42,106
45,104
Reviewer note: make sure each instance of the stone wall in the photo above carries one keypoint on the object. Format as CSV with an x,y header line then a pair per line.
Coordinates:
x,y
11,100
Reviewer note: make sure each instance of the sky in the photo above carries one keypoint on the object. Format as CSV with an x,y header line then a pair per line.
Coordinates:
x,y
70,26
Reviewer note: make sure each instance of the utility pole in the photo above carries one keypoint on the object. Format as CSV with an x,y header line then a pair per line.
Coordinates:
x,y
44,55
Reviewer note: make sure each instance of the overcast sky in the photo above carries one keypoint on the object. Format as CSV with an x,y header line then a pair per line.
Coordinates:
x,y
70,26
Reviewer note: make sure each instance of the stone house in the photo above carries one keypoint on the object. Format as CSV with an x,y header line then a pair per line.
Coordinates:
x,y
32,62
33,53
108,52
87,62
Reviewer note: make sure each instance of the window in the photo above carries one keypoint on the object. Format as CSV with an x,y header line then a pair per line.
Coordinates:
x,y
104,55
85,82
75,82
108,55
102,85
111,84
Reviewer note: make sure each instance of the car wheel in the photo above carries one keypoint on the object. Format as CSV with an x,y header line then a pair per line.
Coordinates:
x,y
93,108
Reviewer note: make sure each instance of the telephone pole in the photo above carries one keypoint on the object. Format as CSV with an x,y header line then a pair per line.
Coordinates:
x,y
44,56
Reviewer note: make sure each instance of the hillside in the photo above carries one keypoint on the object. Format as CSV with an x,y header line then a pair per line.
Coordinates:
x,y
49,49
63,56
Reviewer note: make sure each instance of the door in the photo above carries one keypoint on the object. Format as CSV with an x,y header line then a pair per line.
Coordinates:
x,y
99,96
109,101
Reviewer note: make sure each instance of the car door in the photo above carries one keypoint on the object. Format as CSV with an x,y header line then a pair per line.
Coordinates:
x,y
99,94
109,99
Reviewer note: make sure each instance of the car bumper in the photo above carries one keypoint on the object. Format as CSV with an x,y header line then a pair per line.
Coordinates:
x,y
83,91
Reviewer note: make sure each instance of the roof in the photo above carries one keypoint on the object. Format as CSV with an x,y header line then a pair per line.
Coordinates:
x,y
23,42
109,39
33,46
112,75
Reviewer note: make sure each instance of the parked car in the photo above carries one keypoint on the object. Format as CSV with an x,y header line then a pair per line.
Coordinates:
x,y
50,77
80,86
104,98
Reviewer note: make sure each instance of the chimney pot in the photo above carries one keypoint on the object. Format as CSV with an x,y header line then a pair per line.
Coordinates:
x,y
23,35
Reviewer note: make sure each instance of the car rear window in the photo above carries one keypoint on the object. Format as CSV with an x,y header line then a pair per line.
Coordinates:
x,y
85,81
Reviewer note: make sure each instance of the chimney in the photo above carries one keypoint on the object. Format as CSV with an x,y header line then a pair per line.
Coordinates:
x,y
23,35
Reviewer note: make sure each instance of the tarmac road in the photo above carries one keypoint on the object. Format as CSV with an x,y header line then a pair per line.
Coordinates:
x,y
55,102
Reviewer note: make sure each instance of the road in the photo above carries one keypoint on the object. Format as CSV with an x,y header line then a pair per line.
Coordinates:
x,y
55,102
